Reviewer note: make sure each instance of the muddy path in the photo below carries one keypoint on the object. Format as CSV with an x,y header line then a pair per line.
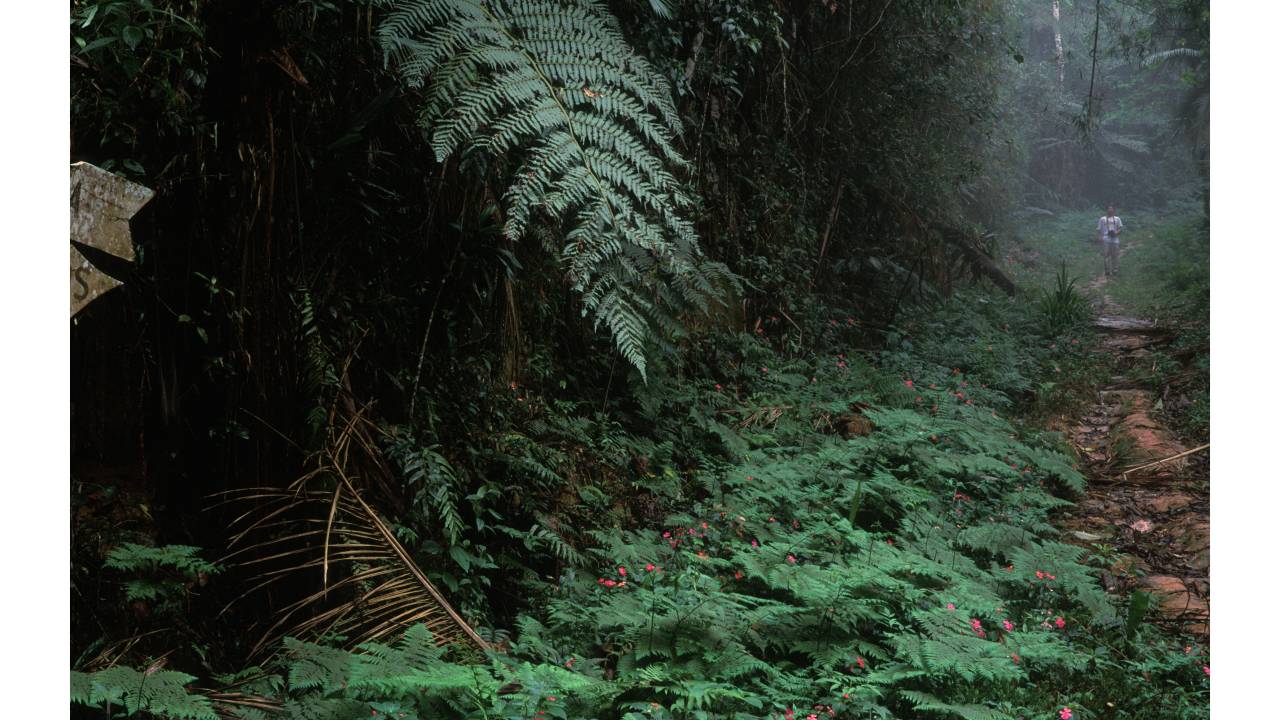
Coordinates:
x,y
1146,512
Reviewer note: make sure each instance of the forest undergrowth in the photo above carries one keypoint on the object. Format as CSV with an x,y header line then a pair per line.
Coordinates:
x,y
859,537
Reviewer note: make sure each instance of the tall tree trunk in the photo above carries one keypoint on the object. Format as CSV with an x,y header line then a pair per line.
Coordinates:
x,y
1057,43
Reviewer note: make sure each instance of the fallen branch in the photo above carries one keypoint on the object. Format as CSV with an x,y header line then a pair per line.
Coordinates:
x,y
1165,460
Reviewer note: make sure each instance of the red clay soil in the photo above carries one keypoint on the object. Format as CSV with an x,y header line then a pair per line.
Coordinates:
x,y
1157,518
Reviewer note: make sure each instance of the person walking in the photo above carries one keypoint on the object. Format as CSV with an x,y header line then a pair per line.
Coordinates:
x,y
1109,229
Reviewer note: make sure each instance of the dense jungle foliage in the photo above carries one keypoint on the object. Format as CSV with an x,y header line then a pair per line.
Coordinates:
x,y
572,359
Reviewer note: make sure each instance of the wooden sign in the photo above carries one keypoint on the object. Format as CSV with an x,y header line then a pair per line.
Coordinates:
x,y
101,205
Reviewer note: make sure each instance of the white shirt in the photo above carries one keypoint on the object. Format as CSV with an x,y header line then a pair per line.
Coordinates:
x,y
1109,223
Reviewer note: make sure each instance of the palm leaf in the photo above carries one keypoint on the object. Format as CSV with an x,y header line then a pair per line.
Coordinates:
x,y
364,585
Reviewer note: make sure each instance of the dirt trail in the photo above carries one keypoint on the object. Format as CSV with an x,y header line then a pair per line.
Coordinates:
x,y
1156,518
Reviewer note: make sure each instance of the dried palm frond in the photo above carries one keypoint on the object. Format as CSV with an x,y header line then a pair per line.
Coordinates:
x,y
321,529
231,705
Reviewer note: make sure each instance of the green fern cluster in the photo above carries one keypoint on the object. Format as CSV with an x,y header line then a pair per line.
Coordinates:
x,y
158,573
593,128
122,692
432,480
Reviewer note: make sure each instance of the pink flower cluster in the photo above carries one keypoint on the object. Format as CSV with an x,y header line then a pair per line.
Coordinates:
x,y
675,537
1058,622
622,573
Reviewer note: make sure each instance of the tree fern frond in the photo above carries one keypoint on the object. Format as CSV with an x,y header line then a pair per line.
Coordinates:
x,y
592,127
1183,53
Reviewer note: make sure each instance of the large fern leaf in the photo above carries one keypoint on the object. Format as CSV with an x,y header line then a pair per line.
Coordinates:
x,y
162,693
592,125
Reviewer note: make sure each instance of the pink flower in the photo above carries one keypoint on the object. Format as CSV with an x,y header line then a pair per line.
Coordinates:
x,y
1206,670
666,534
1059,622
737,575
650,567
861,664
910,384
791,559
551,698
976,624
951,606
718,388
1040,574
1065,713
755,544
609,583
622,571
1007,625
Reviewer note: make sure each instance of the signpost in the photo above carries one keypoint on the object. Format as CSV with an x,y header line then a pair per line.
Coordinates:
x,y
101,205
